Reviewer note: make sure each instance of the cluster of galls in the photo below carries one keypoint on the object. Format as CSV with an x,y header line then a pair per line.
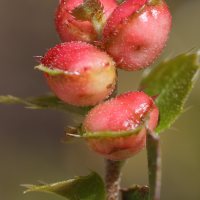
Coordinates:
x,y
97,37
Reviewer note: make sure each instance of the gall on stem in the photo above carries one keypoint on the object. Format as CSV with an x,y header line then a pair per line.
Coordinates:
x,y
79,73
136,33
126,112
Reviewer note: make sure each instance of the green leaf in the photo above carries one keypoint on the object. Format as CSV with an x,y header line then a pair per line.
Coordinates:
x,y
135,192
92,11
154,164
90,187
173,80
47,102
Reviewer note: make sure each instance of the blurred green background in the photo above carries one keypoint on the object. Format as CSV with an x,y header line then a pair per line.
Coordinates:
x,y
30,147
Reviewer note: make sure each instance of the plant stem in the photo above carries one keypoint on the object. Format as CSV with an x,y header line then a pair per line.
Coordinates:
x,y
113,171
113,177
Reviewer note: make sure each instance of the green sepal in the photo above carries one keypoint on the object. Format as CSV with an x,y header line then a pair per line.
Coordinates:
x,y
120,2
173,80
92,11
154,164
135,192
69,138
79,133
90,187
47,102
71,133
51,71
114,134
154,2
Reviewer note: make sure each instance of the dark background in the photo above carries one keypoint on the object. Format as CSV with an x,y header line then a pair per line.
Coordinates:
x,y
30,147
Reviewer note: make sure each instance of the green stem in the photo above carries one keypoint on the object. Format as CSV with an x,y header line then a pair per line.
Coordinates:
x,y
113,171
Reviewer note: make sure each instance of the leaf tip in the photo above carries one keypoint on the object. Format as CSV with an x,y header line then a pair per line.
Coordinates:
x,y
198,58
42,182
77,122
186,109
28,187
169,56
191,51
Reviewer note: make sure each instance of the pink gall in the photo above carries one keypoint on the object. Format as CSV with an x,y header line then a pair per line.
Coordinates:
x,y
125,112
79,73
136,33
71,29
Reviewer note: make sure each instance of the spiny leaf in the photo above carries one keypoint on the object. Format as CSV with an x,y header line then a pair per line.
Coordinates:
x,y
154,164
90,187
47,102
173,80
135,192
